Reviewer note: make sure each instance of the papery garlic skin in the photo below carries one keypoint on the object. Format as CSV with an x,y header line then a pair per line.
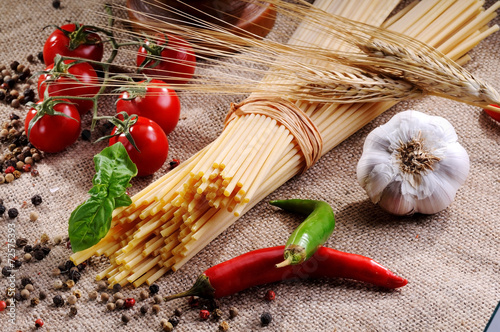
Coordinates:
x,y
402,182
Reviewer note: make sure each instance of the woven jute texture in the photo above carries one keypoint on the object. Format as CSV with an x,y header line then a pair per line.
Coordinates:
x,y
451,259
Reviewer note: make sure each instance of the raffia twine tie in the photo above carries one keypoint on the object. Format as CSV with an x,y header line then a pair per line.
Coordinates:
x,y
285,112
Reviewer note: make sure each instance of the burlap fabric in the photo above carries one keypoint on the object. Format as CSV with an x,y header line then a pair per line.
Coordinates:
x,y
450,259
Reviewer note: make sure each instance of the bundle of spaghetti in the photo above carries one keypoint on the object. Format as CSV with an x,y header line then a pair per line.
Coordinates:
x,y
172,219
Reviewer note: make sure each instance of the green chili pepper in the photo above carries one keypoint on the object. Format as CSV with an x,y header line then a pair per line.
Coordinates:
x,y
311,233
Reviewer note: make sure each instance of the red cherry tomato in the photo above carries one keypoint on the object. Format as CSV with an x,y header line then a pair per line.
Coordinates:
x,y
172,60
151,142
54,133
493,114
60,83
152,100
82,43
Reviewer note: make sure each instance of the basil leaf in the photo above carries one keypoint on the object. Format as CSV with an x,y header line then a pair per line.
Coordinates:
x,y
91,220
123,200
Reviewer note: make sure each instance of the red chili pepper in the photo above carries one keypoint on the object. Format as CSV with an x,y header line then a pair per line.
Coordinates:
x,y
258,268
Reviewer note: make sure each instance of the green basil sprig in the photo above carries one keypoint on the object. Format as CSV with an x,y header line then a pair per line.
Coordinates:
x,y
91,220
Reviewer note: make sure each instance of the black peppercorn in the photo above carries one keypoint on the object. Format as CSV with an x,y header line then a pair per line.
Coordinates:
x,y
82,266
68,265
39,255
174,320
14,65
2,209
144,309
56,4
36,200
21,242
86,135
58,301
46,250
265,319
28,248
6,271
154,289
18,297
26,281
17,263
74,275
73,311
13,116
42,295
37,247
10,84
40,57
13,213
117,287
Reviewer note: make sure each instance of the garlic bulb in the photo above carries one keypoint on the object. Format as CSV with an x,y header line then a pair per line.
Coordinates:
x,y
413,163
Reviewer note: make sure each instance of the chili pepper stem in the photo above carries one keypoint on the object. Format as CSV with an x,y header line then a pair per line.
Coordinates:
x,y
286,262
201,288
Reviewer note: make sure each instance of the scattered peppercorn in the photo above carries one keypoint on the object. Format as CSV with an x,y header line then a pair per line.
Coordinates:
x,y
120,303
35,301
71,299
21,242
266,318
13,213
28,248
154,289
6,271
130,302
166,325
55,272
101,285
36,200
56,4
204,314
38,323
174,320
178,312
26,281
25,294
39,255
224,326
58,301
82,266
174,163
73,311
58,284
217,314
157,299
270,295
233,312
77,293
75,275
143,295
40,56
70,283
2,209
125,318
155,309
110,306
45,250
27,257
118,296
104,297
17,263
144,309
93,295
33,214
42,295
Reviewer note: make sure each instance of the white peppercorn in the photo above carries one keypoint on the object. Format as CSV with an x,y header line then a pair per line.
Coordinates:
x,y
143,294
29,287
110,306
93,295
166,325
119,303
104,297
25,294
27,257
101,285
156,309
157,299
71,299
118,296
58,284
33,215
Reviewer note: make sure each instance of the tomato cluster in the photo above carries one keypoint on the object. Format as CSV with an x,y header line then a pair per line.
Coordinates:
x,y
73,54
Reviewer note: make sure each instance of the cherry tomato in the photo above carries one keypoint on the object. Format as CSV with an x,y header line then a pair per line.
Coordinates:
x,y
53,133
61,83
151,142
152,100
82,43
171,60
493,114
